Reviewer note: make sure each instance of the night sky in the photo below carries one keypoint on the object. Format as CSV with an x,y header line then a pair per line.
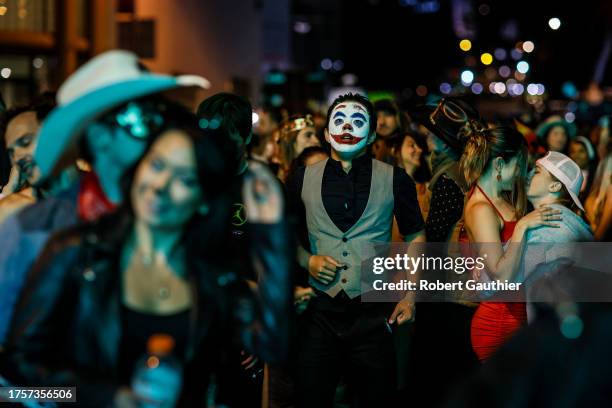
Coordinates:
x,y
393,47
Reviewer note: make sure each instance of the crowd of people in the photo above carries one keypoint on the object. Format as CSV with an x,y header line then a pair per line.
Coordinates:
x,y
126,216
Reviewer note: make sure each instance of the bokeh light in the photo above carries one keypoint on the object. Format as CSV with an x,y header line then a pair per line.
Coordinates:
x,y
554,23
528,46
465,45
467,77
486,58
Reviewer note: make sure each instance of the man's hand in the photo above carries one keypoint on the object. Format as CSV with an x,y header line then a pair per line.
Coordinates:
x,y
403,312
261,192
301,297
323,268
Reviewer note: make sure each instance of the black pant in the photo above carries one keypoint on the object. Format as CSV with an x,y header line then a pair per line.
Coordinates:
x,y
344,338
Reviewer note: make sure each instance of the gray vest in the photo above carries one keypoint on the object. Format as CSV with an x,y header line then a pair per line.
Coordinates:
x,y
353,246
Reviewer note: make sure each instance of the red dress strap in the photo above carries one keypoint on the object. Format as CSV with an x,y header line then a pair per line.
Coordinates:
x,y
491,202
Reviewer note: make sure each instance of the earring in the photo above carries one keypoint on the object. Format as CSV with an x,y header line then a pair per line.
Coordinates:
x,y
203,209
499,175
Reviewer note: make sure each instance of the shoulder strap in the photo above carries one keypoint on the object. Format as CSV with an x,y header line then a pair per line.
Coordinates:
x,y
491,202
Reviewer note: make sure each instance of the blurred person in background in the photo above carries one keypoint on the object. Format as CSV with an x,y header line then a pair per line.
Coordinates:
x,y
598,203
555,134
264,149
410,152
296,134
308,157
389,123
442,346
582,152
157,265
5,162
233,114
20,127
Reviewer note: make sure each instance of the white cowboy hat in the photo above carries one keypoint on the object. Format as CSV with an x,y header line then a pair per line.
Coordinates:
x,y
102,84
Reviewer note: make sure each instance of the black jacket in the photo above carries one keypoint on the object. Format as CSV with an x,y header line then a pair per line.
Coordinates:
x,y
66,327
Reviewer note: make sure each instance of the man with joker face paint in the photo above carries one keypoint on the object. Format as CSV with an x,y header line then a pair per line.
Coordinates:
x,y
340,204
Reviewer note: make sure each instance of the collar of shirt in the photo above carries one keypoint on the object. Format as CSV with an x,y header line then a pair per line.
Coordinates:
x,y
362,162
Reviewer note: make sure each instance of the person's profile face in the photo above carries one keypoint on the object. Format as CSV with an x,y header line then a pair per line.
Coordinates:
x,y
538,182
411,152
306,137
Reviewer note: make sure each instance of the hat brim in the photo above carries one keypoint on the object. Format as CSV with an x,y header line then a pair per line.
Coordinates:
x,y
62,128
570,129
576,199
422,115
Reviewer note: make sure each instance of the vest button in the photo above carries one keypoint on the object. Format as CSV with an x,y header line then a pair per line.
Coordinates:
x,y
344,239
344,280
345,253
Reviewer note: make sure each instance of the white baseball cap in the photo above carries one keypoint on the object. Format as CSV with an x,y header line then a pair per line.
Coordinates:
x,y
566,171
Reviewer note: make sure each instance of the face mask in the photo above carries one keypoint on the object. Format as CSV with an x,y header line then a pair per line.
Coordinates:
x,y
349,127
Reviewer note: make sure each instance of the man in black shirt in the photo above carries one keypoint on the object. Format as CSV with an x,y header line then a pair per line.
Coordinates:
x,y
251,222
342,203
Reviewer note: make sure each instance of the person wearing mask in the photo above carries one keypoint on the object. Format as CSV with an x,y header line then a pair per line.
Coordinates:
x,y
156,265
494,167
105,110
345,202
20,127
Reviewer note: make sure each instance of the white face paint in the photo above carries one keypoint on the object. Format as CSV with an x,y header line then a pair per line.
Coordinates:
x,y
349,127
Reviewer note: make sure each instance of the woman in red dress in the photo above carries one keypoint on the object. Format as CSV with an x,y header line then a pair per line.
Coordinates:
x,y
494,164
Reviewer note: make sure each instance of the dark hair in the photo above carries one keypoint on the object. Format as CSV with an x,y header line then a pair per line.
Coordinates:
x,y
216,179
308,152
485,144
234,113
593,163
386,105
423,172
41,106
354,98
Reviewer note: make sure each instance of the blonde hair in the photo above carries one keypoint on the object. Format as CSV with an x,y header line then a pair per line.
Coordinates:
x,y
482,145
597,197
289,131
